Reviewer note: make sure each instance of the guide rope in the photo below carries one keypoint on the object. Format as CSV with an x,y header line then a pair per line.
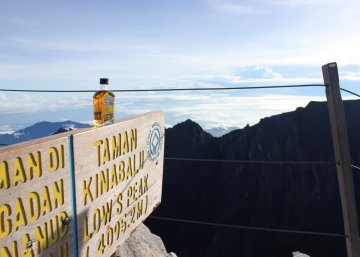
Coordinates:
x,y
350,92
161,89
355,167
247,227
252,161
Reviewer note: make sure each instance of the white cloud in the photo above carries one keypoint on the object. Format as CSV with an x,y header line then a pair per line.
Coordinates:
x,y
350,75
209,108
32,103
6,129
238,111
259,74
23,22
2,97
174,96
130,59
297,2
308,2
215,109
259,6
229,6
88,45
235,80
19,21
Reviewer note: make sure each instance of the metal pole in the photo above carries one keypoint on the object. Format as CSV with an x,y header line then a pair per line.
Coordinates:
x,y
342,157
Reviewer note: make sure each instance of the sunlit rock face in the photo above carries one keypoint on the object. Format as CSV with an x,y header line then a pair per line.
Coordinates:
x,y
142,243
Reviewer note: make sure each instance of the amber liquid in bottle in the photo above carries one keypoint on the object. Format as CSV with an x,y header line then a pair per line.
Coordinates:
x,y
103,106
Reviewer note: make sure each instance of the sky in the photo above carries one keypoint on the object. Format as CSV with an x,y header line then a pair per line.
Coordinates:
x,y
142,44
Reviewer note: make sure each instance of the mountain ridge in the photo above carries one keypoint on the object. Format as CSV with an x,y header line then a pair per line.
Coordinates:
x,y
300,197
38,130
47,128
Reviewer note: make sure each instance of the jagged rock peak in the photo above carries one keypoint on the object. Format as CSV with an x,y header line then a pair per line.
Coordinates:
x,y
191,128
188,123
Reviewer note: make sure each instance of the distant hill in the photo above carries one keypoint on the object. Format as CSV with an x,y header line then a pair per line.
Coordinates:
x,y
40,129
300,197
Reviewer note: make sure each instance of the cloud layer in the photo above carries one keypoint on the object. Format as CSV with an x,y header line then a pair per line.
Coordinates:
x,y
209,109
174,44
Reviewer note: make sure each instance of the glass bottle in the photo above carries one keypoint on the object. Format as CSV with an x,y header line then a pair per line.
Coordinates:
x,y
103,104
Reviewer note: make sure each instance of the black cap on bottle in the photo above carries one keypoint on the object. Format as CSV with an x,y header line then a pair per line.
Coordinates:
x,y
104,81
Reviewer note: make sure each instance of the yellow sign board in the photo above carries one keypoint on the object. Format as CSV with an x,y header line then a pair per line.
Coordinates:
x,y
117,182
118,174
35,202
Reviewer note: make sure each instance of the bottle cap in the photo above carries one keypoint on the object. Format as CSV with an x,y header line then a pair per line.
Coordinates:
x,y
104,81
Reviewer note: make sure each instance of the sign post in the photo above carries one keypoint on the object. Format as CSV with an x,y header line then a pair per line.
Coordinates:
x,y
100,183
342,157
118,174
35,200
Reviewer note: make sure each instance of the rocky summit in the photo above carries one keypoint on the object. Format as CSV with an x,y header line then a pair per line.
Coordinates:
x,y
281,195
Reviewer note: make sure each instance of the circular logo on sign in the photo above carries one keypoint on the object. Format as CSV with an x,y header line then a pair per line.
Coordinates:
x,y
154,141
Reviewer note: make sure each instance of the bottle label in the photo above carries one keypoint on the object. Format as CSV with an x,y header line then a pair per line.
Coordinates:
x,y
109,109
108,116
109,101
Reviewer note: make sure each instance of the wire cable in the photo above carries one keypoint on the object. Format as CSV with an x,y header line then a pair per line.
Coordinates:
x,y
247,227
350,92
160,89
250,161
355,167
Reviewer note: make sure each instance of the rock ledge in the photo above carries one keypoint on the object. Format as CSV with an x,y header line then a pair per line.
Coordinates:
x,y
142,243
